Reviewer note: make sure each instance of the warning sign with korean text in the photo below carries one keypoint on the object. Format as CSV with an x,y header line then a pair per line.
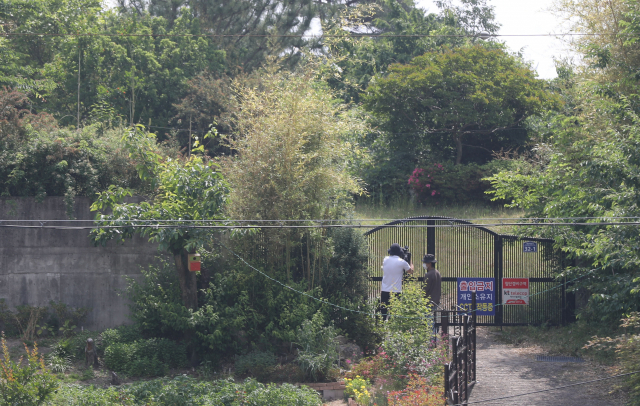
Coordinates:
x,y
515,291
485,294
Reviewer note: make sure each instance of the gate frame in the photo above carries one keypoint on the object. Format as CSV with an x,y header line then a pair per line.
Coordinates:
x,y
567,297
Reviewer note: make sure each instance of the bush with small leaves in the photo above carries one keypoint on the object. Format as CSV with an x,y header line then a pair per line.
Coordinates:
x,y
26,382
318,351
258,364
145,357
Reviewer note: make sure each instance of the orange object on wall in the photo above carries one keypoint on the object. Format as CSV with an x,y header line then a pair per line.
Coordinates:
x,y
194,262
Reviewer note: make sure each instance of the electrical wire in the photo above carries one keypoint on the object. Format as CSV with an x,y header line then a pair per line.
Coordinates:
x,y
295,290
350,34
321,226
408,219
548,390
390,315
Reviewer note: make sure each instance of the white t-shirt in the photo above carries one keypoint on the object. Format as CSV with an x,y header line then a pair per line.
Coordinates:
x,y
393,268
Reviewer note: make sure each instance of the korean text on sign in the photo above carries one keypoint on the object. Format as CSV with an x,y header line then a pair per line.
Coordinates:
x,y
515,291
485,294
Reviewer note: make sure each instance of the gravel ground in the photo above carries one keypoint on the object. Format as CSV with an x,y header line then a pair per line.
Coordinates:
x,y
505,370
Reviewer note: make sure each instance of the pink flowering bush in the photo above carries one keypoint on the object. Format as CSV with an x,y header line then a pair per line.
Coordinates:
x,y
422,182
447,182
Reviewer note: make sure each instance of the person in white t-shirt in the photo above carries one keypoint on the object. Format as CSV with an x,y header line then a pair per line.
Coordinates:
x,y
393,269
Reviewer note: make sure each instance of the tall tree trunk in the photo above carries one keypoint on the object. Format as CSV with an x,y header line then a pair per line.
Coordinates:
x,y
187,280
458,139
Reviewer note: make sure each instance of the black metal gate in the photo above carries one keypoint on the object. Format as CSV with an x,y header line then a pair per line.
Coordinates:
x,y
467,250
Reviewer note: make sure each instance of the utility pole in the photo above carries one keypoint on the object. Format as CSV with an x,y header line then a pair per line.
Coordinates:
x,y
78,116
132,103
189,135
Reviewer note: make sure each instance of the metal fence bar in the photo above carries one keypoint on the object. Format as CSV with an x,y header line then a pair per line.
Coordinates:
x,y
460,373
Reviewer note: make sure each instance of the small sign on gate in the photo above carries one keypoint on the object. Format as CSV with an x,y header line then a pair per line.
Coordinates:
x,y
515,291
485,294
530,246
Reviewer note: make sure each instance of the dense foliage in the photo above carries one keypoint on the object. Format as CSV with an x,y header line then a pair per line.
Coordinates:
x,y
473,97
454,184
126,351
190,190
586,163
183,391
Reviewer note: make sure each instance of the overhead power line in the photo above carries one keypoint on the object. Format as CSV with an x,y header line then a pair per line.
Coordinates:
x,y
283,226
346,220
355,35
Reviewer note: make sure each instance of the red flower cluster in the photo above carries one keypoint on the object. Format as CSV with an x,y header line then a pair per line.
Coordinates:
x,y
422,182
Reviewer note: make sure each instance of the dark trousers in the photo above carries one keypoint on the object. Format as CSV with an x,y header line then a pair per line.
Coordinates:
x,y
385,297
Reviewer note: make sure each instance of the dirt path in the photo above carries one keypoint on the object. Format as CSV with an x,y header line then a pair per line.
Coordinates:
x,y
505,370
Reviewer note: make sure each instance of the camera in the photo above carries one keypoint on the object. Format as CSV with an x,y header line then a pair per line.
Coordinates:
x,y
406,255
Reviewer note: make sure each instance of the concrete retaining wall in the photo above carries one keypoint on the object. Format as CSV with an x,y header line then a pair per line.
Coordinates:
x,y
39,265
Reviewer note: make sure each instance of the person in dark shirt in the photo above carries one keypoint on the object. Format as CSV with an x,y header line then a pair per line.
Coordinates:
x,y
433,280
432,288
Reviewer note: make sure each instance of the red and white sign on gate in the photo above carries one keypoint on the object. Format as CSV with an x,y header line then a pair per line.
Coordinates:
x,y
515,291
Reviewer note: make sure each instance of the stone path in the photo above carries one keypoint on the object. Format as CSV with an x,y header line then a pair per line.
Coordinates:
x,y
505,370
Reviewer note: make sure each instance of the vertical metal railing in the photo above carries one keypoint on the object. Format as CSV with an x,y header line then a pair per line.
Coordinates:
x,y
460,373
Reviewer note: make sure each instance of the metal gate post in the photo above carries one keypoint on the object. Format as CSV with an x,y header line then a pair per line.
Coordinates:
x,y
447,387
473,335
431,237
455,363
444,322
498,270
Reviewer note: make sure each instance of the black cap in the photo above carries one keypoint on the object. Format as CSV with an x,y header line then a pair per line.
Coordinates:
x,y
429,258
395,250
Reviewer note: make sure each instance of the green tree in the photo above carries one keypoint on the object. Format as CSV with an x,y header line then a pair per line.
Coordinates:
x,y
248,30
293,144
588,169
403,32
445,100
190,190
137,78
92,78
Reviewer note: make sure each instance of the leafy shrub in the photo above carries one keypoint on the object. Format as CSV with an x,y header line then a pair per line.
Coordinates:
x,y
258,364
76,344
345,283
26,382
80,395
289,372
408,338
184,391
157,307
318,350
59,359
369,368
64,163
121,335
150,357
28,321
627,347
